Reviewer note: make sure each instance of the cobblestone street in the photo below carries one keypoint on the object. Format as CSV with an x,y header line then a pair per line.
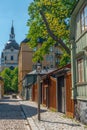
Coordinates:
x,y
16,114
49,120
11,115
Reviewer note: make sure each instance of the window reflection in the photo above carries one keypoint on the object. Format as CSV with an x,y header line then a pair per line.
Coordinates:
x,y
84,19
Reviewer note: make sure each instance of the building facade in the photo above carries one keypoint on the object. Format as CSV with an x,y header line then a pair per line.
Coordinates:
x,y
9,55
79,59
52,59
25,63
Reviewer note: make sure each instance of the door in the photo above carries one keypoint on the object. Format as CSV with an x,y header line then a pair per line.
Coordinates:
x,y
61,94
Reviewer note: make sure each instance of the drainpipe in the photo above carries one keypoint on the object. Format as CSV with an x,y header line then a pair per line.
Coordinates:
x,y
73,68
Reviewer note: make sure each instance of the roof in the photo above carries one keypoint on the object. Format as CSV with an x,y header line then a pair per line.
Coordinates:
x,y
30,78
43,72
12,44
25,40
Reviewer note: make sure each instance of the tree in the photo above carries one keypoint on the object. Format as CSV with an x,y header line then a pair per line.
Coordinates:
x,y
64,60
15,80
6,73
10,79
49,19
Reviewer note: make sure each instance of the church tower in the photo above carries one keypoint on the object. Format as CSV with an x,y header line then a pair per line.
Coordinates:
x,y
12,35
9,55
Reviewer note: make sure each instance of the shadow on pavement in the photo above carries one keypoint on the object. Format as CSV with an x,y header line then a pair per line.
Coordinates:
x,y
11,109
9,100
31,111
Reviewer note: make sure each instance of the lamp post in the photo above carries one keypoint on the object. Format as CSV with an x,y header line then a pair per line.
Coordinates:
x,y
38,83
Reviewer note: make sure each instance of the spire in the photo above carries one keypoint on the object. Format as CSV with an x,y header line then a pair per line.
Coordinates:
x,y
12,35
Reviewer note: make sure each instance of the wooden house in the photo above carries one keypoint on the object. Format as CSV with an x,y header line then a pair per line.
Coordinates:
x,y
78,36
56,91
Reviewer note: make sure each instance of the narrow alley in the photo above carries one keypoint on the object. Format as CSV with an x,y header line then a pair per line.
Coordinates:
x,y
16,114
11,115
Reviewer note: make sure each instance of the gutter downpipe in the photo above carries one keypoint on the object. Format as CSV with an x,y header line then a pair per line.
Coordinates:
x,y
73,68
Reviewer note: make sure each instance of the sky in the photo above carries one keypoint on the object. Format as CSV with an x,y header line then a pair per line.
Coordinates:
x,y
16,10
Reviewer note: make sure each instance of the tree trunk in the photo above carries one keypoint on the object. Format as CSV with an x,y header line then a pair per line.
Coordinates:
x,y
60,41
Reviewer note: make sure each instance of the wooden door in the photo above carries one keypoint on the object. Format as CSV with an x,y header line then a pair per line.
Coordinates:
x,y
61,94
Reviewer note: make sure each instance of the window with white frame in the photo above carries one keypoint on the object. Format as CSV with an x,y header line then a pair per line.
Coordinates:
x,y
84,19
80,70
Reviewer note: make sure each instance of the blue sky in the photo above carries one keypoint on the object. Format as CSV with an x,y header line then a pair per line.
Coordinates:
x,y
16,10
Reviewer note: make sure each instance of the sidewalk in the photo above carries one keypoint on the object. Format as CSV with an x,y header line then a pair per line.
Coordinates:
x,y
49,120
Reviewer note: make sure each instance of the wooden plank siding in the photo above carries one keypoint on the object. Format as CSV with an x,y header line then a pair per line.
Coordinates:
x,y
44,93
69,101
34,93
50,90
52,93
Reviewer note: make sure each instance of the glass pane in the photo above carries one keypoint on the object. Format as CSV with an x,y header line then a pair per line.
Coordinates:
x,y
82,16
86,23
82,27
85,11
80,67
82,21
78,71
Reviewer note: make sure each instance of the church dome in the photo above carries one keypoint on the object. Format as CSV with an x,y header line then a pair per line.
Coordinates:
x,y
12,44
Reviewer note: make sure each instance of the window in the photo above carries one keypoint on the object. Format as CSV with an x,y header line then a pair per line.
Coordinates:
x,y
12,58
51,49
5,58
2,55
84,19
49,58
80,70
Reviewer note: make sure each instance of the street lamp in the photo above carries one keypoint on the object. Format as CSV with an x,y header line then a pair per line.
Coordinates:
x,y
38,69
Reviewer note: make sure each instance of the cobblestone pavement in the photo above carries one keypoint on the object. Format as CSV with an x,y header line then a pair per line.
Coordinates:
x,y
49,120
11,115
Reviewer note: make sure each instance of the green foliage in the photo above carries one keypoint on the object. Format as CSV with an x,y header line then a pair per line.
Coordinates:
x,y
10,80
58,16
64,60
15,80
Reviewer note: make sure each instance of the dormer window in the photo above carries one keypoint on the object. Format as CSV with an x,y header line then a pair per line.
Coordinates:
x,y
84,19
